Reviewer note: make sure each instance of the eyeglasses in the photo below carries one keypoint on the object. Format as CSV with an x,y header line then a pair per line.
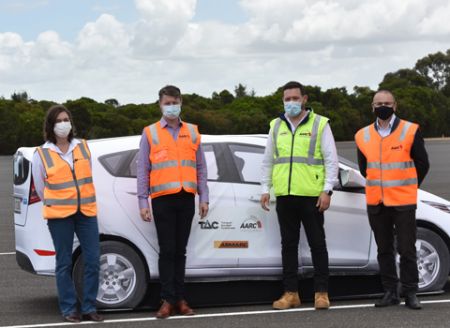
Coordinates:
x,y
379,104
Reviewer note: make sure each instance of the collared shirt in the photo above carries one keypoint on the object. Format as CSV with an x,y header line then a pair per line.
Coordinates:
x,y
144,168
329,153
384,132
38,168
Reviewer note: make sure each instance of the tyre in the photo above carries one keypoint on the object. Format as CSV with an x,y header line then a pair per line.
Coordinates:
x,y
432,260
123,279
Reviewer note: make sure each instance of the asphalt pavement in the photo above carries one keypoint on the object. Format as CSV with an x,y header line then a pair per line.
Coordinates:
x,y
28,300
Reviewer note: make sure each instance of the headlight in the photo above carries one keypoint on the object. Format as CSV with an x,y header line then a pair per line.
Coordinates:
x,y
439,206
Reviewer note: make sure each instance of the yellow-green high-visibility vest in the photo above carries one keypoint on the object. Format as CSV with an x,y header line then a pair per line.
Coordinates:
x,y
298,162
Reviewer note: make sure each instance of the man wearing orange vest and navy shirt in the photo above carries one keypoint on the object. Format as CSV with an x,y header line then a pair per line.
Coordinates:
x,y
171,170
392,157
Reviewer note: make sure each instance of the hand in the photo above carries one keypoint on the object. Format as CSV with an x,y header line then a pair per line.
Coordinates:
x,y
265,200
323,202
146,215
203,210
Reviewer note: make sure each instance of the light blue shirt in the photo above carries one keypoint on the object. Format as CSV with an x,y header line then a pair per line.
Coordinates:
x,y
384,132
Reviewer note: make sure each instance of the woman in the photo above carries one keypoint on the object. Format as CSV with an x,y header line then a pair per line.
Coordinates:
x,y
63,179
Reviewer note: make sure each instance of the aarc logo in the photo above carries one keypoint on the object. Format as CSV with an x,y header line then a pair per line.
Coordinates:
x,y
398,148
251,224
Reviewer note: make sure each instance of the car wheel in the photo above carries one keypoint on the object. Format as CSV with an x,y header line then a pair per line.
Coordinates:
x,y
432,260
122,277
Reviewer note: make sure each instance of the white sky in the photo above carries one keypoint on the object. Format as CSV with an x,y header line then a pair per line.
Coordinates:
x,y
64,49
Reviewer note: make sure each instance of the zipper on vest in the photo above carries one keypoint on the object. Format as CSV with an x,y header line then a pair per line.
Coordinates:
x,y
381,170
290,162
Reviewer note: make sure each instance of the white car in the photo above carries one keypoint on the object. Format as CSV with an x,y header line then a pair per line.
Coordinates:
x,y
237,240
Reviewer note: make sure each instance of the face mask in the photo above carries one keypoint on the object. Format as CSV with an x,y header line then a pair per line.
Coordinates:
x,y
171,111
292,108
62,129
383,112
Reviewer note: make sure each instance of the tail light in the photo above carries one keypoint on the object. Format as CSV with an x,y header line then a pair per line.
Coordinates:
x,y
33,197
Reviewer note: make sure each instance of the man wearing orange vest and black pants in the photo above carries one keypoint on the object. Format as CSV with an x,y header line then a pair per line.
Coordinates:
x,y
171,170
392,157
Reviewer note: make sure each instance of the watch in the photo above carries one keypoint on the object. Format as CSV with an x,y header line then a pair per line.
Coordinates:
x,y
329,192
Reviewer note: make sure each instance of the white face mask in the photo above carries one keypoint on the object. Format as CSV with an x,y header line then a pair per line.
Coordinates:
x,y
62,129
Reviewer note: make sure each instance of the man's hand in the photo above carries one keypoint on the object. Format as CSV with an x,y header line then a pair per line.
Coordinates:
x,y
265,200
146,215
323,202
203,210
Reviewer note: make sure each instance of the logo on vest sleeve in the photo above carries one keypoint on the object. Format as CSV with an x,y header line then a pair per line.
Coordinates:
x,y
397,148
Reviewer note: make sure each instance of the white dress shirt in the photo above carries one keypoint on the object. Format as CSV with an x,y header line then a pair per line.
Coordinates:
x,y
384,132
38,169
329,154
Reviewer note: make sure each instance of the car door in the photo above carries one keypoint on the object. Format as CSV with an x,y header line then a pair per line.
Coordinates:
x,y
347,230
254,225
208,247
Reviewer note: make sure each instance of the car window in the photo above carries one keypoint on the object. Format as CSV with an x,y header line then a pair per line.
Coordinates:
x,y
114,163
248,161
132,171
211,162
21,168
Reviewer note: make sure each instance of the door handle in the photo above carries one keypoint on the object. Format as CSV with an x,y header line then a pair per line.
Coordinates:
x,y
256,199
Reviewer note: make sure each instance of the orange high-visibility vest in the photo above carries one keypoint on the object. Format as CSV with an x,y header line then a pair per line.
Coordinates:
x,y
391,174
173,162
68,190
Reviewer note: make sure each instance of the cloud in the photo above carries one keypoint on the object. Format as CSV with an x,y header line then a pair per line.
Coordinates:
x,y
327,43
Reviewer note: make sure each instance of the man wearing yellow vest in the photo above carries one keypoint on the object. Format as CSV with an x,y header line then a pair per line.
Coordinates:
x,y
392,157
301,163
171,170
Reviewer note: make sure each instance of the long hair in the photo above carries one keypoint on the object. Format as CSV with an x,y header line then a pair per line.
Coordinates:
x,y
50,121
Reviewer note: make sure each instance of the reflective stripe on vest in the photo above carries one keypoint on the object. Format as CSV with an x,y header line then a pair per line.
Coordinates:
x,y
298,162
173,162
391,176
68,190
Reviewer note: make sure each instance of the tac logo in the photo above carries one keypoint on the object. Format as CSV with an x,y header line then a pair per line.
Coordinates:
x,y
251,224
206,225
399,147
305,134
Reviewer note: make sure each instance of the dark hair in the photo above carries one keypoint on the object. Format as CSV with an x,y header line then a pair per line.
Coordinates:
x,y
170,90
50,121
294,85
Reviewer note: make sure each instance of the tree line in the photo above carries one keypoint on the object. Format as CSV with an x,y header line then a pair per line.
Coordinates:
x,y
422,93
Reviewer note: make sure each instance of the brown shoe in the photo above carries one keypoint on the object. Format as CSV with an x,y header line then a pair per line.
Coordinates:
x,y
321,301
165,311
93,316
288,300
183,308
73,317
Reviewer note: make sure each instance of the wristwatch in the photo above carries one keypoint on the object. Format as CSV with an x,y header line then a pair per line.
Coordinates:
x,y
329,192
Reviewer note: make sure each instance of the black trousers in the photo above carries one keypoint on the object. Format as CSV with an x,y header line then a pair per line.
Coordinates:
x,y
383,221
173,216
292,212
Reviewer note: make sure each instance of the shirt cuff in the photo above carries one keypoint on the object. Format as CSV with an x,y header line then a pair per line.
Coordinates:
x,y
143,203
265,189
328,186
203,198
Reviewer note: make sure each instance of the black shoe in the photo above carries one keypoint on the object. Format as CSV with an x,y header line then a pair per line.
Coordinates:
x,y
73,317
390,297
412,301
93,316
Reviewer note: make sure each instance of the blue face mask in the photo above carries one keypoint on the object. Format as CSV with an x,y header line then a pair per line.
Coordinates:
x,y
292,108
171,111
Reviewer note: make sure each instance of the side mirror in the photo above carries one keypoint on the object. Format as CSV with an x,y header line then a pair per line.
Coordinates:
x,y
351,179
